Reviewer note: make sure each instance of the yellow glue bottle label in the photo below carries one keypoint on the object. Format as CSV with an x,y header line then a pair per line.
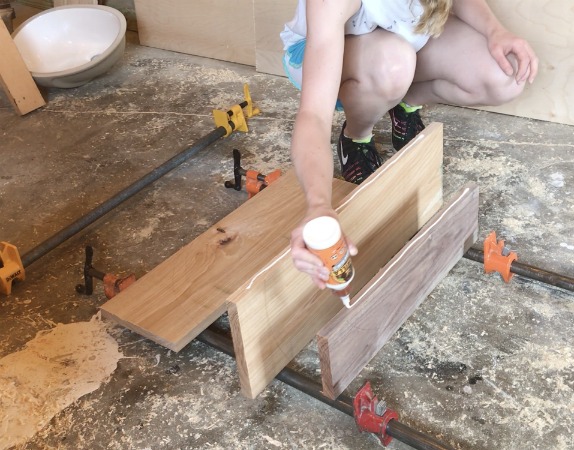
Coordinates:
x,y
338,260
323,237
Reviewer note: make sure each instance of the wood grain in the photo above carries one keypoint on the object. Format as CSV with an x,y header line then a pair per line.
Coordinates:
x,y
270,18
277,313
179,298
38,4
16,80
219,29
74,2
547,26
349,341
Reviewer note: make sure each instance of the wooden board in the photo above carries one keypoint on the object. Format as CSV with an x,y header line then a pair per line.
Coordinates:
x,y
546,26
220,29
74,2
279,311
349,341
179,298
16,80
38,4
270,19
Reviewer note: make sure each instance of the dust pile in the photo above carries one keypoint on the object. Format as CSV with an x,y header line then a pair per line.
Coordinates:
x,y
55,369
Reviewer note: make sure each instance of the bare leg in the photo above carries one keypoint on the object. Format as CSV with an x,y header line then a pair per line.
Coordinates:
x,y
378,69
457,68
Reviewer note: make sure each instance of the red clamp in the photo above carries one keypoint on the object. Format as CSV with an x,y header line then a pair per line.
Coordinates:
x,y
372,415
113,285
254,181
497,258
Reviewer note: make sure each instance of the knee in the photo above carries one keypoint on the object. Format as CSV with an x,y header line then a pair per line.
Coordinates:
x,y
493,87
499,89
392,73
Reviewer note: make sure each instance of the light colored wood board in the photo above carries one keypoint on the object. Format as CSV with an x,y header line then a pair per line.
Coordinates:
x,y
349,341
183,295
74,2
274,322
408,192
38,4
270,19
278,312
219,29
547,25
16,80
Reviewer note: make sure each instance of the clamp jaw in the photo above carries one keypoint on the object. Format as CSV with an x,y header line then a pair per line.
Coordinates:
x,y
372,415
254,181
113,285
498,258
234,119
11,267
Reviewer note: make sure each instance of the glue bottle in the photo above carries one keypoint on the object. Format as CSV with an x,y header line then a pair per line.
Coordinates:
x,y
323,237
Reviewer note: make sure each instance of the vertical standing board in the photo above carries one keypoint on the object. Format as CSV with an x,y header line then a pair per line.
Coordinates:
x,y
15,77
349,341
220,29
183,295
547,26
270,18
39,4
279,311
74,2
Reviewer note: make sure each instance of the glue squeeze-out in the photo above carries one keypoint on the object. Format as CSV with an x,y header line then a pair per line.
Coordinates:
x,y
323,237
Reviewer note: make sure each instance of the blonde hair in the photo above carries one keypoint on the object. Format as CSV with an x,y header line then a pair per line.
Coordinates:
x,y
435,15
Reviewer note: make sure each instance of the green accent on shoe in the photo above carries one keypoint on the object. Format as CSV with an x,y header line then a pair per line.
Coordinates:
x,y
363,140
409,108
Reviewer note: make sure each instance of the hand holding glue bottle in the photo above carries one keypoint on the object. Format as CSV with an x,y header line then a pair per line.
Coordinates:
x,y
323,237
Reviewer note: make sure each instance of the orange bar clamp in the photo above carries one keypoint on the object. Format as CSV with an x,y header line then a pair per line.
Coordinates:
x,y
497,258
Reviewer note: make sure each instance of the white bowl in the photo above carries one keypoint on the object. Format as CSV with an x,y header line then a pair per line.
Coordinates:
x,y
69,46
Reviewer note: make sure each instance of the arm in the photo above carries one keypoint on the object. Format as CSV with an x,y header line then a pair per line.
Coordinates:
x,y
311,143
501,42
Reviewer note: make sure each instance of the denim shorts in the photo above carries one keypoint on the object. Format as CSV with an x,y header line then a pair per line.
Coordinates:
x,y
293,62
293,66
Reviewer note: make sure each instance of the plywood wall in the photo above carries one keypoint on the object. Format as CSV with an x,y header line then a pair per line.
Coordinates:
x,y
26,8
547,25
74,2
220,29
270,18
39,4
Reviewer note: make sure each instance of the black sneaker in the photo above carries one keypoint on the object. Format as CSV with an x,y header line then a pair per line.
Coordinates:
x,y
358,160
406,125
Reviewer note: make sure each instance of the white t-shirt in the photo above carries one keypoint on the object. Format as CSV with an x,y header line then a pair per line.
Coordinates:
x,y
397,16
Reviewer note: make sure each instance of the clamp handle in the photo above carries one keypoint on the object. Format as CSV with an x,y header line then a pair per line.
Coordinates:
x,y
238,172
112,284
89,272
11,267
